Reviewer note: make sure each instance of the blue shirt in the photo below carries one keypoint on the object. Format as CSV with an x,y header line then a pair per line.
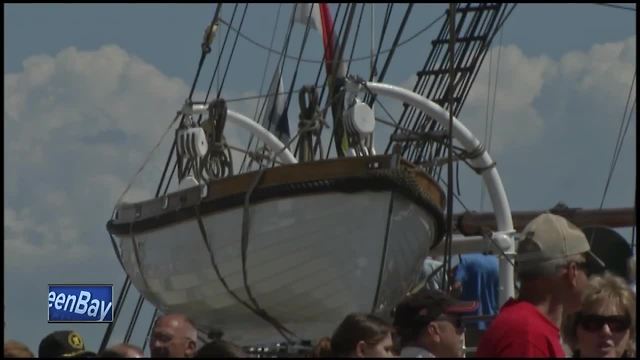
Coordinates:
x,y
478,275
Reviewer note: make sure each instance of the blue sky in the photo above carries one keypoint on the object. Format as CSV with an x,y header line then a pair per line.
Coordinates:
x,y
90,88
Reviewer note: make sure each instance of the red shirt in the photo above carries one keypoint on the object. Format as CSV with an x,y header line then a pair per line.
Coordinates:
x,y
520,330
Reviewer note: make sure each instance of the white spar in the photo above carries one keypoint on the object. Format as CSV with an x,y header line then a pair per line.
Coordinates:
x,y
504,236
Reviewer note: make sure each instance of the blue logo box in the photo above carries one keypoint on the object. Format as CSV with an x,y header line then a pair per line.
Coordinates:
x,y
80,303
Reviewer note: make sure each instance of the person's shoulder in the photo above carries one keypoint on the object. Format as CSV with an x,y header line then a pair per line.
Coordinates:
x,y
516,316
479,260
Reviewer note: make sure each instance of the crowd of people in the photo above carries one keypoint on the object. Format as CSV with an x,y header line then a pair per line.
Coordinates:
x,y
561,310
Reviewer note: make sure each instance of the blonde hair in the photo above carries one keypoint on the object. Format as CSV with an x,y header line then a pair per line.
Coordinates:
x,y
16,349
606,288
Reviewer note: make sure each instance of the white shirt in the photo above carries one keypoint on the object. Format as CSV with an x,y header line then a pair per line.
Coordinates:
x,y
415,352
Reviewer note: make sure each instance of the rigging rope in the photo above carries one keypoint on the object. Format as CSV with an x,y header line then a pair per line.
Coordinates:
x,y
264,76
495,91
489,131
355,38
302,47
118,306
233,50
146,161
446,282
356,59
620,140
280,71
279,67
330,77
318,143
617,6
259,312
146,338
385,67
215,69
205,50
335,83
385,24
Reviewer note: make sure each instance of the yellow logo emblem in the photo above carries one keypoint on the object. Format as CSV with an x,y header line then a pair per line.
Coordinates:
x,y
75,341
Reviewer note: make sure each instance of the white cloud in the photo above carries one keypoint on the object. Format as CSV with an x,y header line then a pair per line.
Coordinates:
x,y
520,81
77,127
556,121
533,92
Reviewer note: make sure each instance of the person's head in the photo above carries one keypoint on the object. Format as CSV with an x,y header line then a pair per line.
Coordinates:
x,y
122,351
63,343
15,349
359,335
431,320
220,349
605,326
173,335
554,257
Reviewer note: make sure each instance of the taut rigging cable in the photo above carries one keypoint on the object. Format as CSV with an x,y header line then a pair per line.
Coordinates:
x,y
620,140
356,59
233,50
264,76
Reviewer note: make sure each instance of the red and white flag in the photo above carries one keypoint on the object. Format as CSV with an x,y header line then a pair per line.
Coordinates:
x,y
319,17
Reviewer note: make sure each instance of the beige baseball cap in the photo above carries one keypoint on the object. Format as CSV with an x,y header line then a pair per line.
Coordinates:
x,y
551,237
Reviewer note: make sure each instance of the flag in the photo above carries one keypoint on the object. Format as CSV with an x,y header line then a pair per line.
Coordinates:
x,y
321,20
274,117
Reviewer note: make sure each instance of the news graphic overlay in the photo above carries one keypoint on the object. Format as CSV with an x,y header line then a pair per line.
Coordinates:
x,y
80,303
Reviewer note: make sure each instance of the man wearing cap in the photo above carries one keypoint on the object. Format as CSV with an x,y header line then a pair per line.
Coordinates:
x,y
429,324
63,343
552,259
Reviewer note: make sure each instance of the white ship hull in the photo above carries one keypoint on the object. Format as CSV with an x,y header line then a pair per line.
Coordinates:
x,y
313,255
310,261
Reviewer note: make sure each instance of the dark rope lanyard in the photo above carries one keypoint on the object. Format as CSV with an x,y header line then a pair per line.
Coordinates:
x,y
255,309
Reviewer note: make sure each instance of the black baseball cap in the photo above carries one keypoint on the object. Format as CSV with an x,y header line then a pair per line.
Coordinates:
x,y
63,343
419,309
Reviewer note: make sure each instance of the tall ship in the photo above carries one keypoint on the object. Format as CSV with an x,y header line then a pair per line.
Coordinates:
x,y
279,238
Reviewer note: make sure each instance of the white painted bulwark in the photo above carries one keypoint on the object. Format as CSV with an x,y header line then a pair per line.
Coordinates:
x,y
311,259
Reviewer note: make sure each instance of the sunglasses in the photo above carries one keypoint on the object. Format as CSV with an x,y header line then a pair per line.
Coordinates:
x,y
593,323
